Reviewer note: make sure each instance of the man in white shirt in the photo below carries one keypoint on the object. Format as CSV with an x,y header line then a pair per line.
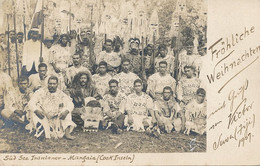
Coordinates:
x,y
31,53
138,107
159,80
101,79
112,58
114,104
187,86
36,81
126,78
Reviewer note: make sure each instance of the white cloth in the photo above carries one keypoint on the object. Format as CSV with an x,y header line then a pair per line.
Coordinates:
x,y
101,83
31,54
126,82
52,104
156,83
113,58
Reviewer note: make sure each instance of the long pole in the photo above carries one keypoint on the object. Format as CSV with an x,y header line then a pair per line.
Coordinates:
x,y
8,46
16,46
178,51
42,33
91,57
153,57
143,65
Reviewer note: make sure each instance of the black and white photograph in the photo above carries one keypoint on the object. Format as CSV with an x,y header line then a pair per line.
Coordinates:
x,y
103,76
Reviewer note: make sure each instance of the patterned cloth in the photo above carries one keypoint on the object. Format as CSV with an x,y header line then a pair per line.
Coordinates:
x,y
101,83
187,88
126,82
52,104
7,96
139,107
156,83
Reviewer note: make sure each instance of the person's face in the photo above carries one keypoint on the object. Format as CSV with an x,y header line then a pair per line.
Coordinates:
x,y
83,80
64,40
34,35
189,49
73,34
52,85
2,38
149,51
23,85
12,35
138,87
201,51
42,72
76,59
113,88
200,98
167,93
134,45
48,44
162,68
84,35
188,72
20,38
102,69
163,52
125,66
108,47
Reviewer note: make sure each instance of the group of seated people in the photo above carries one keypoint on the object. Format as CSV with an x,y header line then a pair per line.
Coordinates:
x,y
52,106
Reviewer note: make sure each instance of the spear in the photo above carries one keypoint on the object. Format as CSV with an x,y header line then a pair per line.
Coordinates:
x,y
143,65
8,46
42,33
178,51
153,57
16,46
91,57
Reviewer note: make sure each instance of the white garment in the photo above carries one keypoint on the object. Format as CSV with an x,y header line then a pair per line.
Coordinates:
x,y
126,82
31,54
101,83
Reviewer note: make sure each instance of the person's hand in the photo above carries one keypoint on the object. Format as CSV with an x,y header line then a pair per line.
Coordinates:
x,y
64,114
39,113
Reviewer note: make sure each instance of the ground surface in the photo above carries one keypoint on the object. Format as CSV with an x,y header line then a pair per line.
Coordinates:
x,y
20,141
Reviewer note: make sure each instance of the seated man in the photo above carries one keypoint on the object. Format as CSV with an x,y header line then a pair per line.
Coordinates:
x,y
196,113
113,104
168,113
126,78
187,86
138,107
159,80
102,78
82,87
40,79
22,96
50,112
8,112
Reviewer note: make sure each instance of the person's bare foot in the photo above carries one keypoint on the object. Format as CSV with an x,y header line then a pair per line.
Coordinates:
x,y
69,136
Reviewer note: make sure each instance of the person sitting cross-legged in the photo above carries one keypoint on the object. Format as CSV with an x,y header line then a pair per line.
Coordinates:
x,y
50,112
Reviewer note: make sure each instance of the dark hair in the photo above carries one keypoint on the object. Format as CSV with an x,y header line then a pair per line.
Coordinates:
x,y
42,65
77,53
23,78
201,91
19,33
109,40
53,78
138,81
163,62
102,63
162,46
64,35
189,67
113,81
125,60
167,88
